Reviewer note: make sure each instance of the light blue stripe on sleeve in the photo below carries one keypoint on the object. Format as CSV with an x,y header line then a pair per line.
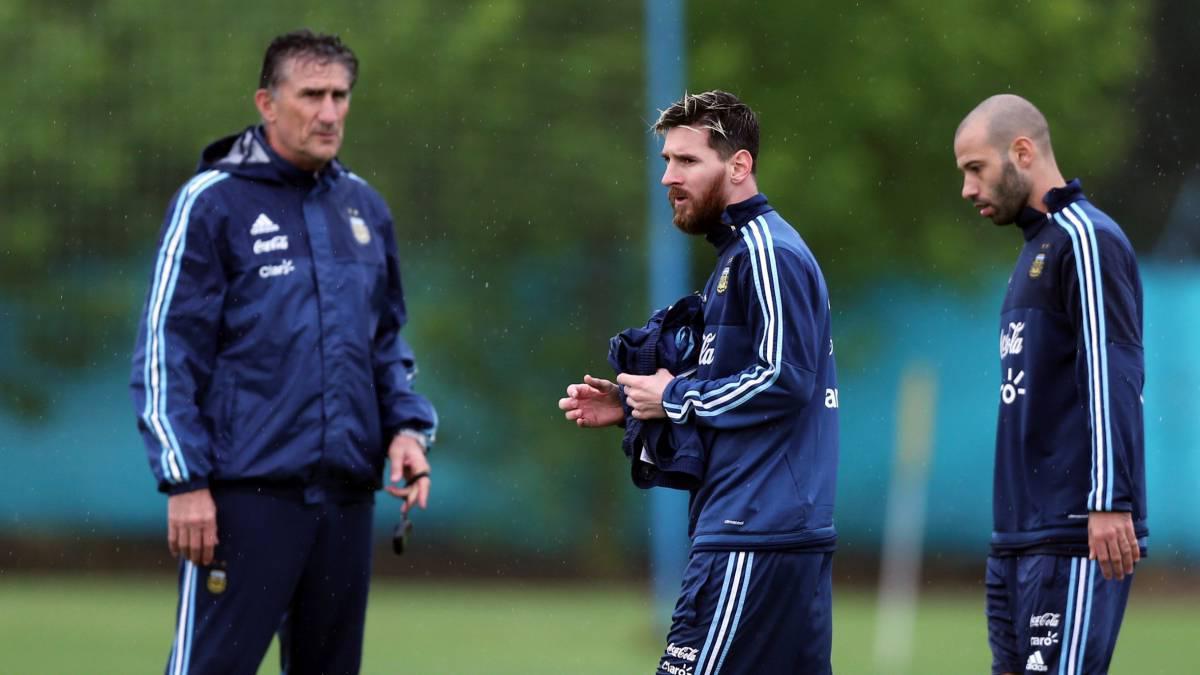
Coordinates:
x,y
156,372
766,276
1100,309
1087,308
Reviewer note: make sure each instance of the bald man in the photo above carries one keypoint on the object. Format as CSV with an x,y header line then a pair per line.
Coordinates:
x,y
1069,497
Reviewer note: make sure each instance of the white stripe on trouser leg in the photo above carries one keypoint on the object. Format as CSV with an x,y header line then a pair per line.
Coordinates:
x,y
1068,626
183,629
712,626
737,618
1077,632
727,614
1087,611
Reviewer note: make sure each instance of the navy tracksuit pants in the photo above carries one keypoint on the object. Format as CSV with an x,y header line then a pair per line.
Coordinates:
x,y
1053,614
752,613
282,566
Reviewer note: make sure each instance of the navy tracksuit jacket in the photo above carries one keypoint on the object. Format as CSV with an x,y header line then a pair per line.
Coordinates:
x,y
270,368
662,454
269,348
1069,438
764,396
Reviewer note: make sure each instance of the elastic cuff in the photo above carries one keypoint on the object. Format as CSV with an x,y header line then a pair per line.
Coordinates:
x,y
668,397
422,438
180,488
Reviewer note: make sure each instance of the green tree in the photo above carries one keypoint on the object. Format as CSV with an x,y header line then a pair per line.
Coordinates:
x,y
508,138
859,103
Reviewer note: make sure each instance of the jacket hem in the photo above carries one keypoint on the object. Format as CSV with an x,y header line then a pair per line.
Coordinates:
x,y
822,539
1072,541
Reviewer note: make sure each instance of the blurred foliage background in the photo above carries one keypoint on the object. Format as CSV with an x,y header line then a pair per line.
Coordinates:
x,y
508,137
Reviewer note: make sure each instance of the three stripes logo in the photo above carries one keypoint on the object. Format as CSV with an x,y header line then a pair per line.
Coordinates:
x,y
263,225
1036,663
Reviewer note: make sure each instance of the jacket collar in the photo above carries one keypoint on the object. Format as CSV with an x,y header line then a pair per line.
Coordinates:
x,y
735,216
1031,220
1060,198
249,154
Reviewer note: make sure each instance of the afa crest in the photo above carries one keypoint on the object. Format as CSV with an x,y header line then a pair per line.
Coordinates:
x,y
1035,270
358,226
723,282
216,581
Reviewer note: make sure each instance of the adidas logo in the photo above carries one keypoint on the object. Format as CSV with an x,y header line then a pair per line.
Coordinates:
x,y
1036,663
263,225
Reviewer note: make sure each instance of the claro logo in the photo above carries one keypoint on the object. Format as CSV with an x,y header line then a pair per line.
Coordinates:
x,y
284,268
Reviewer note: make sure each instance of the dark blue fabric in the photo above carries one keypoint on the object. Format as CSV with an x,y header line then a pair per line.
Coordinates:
x,y
283,565
753,613
269,348
1069,436
670,339
1047,613
764,396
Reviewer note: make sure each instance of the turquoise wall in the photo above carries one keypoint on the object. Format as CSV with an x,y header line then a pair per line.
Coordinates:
x,y
81,468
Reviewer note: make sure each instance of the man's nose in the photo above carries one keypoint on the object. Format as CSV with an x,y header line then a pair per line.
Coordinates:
x,y
970,189
670,176
329,110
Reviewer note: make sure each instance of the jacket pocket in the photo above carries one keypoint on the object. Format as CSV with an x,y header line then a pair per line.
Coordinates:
x,y
801,485
704,570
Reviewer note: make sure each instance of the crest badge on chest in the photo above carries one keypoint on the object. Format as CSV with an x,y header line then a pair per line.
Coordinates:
x,y
362,234
723,282
1035,270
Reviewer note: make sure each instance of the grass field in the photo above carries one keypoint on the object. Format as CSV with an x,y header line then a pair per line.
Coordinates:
x,y
106,624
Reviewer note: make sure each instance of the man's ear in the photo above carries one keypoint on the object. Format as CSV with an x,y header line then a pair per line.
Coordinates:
x,y
265,102
1023,152
741,165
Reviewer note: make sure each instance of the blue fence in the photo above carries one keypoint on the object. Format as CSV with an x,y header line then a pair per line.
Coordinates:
x,y
81,470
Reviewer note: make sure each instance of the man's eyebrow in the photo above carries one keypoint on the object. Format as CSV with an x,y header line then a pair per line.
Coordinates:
x,y
322,90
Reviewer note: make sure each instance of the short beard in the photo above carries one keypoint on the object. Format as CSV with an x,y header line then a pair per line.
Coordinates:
x,y
1012,193
706,209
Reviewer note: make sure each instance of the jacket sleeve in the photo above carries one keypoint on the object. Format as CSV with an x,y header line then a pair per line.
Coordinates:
x,y
785,313
393,361
1102,294
177,340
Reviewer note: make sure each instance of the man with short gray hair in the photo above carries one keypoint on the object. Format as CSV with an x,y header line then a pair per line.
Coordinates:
x,y
271,381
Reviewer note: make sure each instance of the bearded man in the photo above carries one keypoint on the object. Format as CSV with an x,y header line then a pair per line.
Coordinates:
x,y
763,399
1069,490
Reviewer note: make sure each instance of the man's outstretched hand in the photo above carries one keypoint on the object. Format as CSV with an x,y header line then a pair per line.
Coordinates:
x,y
592,403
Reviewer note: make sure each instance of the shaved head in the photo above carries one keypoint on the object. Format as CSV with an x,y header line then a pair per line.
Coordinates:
x,y
1008,117
1003,149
